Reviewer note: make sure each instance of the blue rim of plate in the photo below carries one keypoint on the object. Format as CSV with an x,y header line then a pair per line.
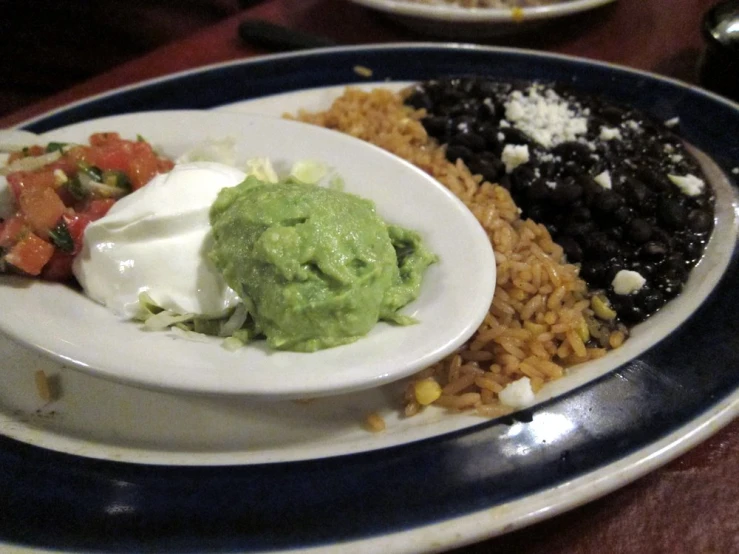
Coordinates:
x,y
652,407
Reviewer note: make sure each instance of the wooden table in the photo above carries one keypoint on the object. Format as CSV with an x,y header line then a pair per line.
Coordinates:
x,y
688,506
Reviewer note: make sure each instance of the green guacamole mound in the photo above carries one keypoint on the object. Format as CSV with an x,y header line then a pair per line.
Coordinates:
x,y
315,267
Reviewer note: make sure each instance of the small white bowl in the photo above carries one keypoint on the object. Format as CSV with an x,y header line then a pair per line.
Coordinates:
x,y
455,295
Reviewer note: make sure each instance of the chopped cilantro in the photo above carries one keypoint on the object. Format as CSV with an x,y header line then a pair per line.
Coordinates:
x,y
61,238
55,146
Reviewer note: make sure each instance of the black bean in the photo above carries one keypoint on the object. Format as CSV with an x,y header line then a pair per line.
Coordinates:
x,y
700,221
537,212
457,151
693,249
597,245
575,152
490,169
632,314
607,202
616,232
514,136
486,110
655,181
420,99
594,272
623,215
612,115
571,248
579,229
669,285
639,230
522,177
672,214
469,139
580,213
635,192
437,126
462,123
538,191
653,251
566,192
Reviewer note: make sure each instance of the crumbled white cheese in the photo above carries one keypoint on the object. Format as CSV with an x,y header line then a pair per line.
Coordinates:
x,y
633,125
672,122
609,133
544,116
517,394
551,184
627,282
504,124
463,126
501,137
735,171
668,148
676,158
603,179
688,184
514,155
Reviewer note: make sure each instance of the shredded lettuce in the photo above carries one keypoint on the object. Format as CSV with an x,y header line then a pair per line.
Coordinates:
x,y
308,172
221,151
235,327
262,169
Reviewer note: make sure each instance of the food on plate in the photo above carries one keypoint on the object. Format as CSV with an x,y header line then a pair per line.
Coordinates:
x,y
487,3
209,248
544,317
316,267
616,189
48,196
155,241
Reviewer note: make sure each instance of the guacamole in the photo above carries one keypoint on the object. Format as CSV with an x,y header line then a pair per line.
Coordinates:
x,y
315,267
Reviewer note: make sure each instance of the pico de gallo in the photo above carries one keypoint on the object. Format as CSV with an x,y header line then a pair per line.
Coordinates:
x,y
58,189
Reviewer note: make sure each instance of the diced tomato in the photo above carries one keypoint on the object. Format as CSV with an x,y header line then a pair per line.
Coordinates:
x,y
42,209
12,230
98,207
111,158
142,170
30,254
59,267
30,151
24,180
101,139
34,243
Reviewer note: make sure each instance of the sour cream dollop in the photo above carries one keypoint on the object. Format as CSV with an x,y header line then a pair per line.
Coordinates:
x,y
155,240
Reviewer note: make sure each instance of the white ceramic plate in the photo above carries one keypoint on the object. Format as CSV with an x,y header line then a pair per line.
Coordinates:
x,y
69,326
451,20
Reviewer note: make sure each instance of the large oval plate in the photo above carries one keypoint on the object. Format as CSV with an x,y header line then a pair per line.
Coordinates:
x,y
405,495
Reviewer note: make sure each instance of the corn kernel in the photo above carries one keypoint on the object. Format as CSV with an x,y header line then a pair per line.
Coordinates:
x,y
375,422
602,308
583,331
427,391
